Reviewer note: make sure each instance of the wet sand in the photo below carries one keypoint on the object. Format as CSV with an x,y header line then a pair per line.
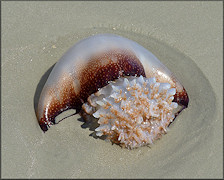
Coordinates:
x,y
185,36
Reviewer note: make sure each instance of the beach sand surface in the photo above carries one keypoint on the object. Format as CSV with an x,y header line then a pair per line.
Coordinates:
x,y
185,36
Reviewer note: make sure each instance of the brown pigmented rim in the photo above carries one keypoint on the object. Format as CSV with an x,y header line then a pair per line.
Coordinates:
x,y
182,98
93,76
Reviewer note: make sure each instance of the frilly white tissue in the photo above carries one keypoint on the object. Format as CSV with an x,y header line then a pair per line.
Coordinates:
x,y
132,111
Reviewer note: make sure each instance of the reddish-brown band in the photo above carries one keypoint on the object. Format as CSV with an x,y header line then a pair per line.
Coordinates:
x,y
93,76
182,98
